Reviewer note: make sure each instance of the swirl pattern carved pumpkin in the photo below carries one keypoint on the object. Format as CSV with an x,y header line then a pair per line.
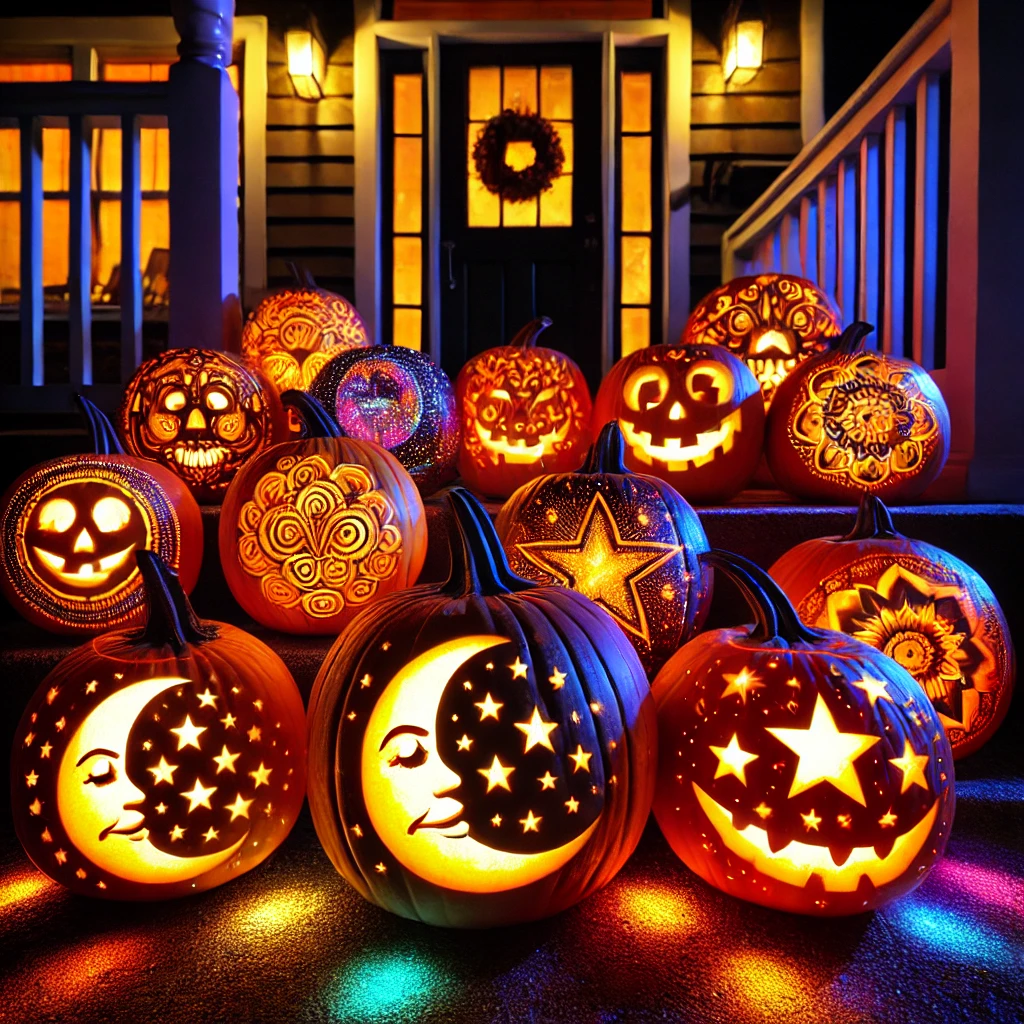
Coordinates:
x,y
69,529
312,530
801,769
481,753
853,420
918,604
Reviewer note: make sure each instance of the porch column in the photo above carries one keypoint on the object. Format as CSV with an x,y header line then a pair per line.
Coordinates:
x,y
205,310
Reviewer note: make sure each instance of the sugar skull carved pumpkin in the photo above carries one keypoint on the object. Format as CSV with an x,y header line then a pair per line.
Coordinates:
x,y
480,751
853,420
313,530
800,769
202,414
525,411
69,529
628,542
916,603
397,398
293,333
690,414
159,762
771,321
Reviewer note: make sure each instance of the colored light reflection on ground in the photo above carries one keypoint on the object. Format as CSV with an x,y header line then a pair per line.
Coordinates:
x,y
995,888
656,908
22,886
275,913
765,984
384,985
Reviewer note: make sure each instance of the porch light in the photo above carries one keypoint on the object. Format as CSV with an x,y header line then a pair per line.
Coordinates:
x,y
305,62
742,43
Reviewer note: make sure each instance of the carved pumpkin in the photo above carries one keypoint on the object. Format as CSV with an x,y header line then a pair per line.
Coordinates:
x,y
293,333
69,527
399,399
159,762
800,768
525,411
628,542
690,414
916,603
771,321
202,414
312,530
852,420
481,752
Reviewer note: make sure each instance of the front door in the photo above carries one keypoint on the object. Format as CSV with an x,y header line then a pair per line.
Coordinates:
x,y
504,263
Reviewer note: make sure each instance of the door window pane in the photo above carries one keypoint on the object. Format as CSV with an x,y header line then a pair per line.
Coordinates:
x,y
484,93
408,184
520,90
556,93
636,269
636,183
408,104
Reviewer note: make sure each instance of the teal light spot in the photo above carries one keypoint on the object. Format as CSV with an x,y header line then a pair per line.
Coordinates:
x,y
381,986
950,934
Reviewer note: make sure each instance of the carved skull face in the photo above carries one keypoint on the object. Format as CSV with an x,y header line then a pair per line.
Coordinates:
x,y
200,413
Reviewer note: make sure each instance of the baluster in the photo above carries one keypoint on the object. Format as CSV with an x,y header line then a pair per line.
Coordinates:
x,y
31,284
827,235
775,250
869,254
80,254
789,241
895,230
809,237
131,275
846,235
926,219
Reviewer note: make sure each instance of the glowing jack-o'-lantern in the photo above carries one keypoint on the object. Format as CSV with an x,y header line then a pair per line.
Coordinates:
x,y
801,769
69,529
690,414
852,420
314,529
525,411
397,398
160,762
480,752
628,542
293,333
918,604
202,414
771,321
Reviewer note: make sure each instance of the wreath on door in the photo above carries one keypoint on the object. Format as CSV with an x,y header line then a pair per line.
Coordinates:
x,y
490,148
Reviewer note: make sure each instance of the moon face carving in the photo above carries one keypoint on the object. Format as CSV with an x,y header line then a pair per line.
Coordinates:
x,y
99,805
418,804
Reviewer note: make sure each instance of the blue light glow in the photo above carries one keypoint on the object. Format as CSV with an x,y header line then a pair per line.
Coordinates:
x,y
381,986
997,791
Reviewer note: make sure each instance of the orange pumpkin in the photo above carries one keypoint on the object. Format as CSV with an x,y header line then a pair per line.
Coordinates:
x,y
202,414
916,603
853,420
771,321
313,530
691,414
69,529
159,762
800,768
525,411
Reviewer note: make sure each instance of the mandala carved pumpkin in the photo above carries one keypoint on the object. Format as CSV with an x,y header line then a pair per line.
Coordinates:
x,y
690,414
801,769
293,333
481,752
159,762
69,529
525,411
916,603
400,400
202,414
772,322
313,530
853,420
628,542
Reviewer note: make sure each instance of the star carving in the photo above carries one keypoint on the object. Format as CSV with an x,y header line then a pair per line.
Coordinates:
x,y
497,775
537,731
732,760
600,564
912,766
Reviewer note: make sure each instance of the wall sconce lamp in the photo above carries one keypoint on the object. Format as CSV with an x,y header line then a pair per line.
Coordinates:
x,y
742,42
306,64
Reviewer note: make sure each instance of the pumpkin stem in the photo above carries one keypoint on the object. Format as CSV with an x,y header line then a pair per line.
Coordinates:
x,y
302,277
104,438
608,451
873,520
852,339
528,335
775,616
319,422
172,622
479,565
